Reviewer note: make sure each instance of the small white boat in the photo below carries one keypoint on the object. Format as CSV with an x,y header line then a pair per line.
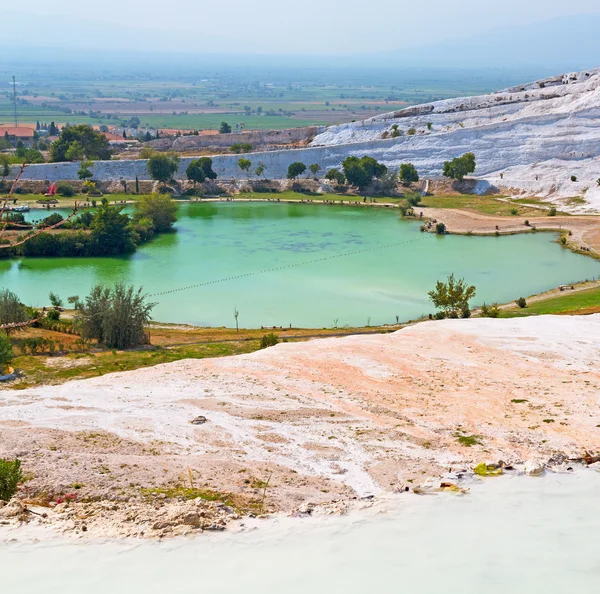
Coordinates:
x,y
23,208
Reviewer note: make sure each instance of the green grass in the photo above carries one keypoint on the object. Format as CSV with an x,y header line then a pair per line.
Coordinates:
x,y
467,440
577,302
35,371
298,196
482,204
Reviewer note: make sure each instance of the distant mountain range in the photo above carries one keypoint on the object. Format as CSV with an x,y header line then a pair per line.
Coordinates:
x,y
569,43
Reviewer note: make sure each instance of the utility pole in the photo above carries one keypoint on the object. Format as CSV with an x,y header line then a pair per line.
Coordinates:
x,y
15,102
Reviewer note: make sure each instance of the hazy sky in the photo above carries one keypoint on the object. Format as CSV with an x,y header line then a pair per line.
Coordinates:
x,y
274,26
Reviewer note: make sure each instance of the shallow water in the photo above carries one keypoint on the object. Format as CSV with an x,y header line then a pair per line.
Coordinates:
x,y
327,266
511,535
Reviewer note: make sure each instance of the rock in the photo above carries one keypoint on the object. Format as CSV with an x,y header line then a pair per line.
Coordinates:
x,y
533,468
199,420
13,509
192,519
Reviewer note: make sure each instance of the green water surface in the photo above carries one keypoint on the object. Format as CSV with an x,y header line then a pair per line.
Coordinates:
x,y
326,266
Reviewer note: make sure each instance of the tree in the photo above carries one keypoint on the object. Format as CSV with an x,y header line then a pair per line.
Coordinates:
x,y
55,300
115,317
200,170
52,130
335,175
4,166
295,169
77,142
162,167
360,172
408,173
194,172
260,168
314,168
84,172
12,311
452,297
224,128
111,232
157,208
244,164
240,147
388,181
6,351
459,167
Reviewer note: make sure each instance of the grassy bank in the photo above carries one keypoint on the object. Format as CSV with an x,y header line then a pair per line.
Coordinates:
x,y
579,302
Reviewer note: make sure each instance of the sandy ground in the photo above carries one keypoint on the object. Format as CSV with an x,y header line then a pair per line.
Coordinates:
x,y
585,229
322,421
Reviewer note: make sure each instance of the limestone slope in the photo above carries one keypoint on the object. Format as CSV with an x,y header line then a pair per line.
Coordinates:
x,y
329,417
529,138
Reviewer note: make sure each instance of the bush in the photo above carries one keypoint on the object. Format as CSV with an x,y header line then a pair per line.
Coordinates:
x,y
53,315
440,229
552,212
10,477
490,311
573,178
65,190
521,302
514,211
268,340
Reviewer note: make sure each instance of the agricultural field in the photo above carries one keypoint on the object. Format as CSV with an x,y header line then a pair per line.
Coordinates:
x,y
251,99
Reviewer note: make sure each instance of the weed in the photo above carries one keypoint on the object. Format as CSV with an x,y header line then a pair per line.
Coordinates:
x,y
519,400
468,440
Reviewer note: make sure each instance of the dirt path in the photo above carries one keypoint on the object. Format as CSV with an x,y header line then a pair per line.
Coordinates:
x,y
585,229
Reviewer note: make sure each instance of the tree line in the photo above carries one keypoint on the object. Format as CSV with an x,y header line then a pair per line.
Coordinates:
x,y
107,231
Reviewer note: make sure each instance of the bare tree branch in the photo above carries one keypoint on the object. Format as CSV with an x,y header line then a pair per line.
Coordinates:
x,y
5,220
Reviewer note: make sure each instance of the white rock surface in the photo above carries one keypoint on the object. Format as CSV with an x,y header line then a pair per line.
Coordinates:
x,y
537,136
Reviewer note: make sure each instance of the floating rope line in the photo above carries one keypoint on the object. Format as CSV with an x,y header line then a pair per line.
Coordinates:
x,y
285,266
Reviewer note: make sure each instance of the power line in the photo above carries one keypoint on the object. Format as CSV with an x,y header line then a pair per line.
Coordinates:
x,y
285,266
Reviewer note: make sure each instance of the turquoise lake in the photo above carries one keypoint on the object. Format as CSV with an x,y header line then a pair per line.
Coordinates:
x,y
304,265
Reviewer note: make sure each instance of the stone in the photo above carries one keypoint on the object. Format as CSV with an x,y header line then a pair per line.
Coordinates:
x,y
533,468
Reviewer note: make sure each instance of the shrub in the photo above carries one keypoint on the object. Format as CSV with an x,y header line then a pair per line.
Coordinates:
x,y
53,315
573,178
514,211
526,223
65,190
563,240
552,212
440,229
490,311
521,302
10,477
412,131
268,340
